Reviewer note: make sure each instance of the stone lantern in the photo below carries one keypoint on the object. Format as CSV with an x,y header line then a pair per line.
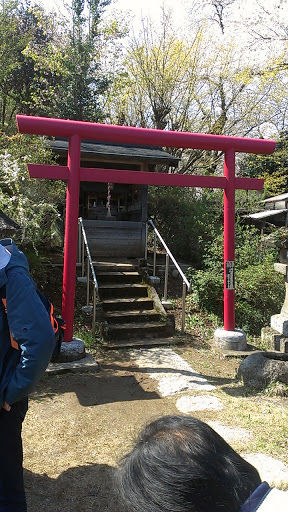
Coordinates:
x,y
277,335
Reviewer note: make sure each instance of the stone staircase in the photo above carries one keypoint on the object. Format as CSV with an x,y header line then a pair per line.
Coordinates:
x,y
131,313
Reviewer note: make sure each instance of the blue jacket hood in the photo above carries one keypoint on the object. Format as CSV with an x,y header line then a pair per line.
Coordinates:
x,y
18,259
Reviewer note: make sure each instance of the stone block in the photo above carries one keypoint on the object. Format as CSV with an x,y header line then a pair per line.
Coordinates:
x,y
284,255
167,304
262,368
71,351
82,279
283,345
230,340
271,338
88,310
280,323
281,268
154,280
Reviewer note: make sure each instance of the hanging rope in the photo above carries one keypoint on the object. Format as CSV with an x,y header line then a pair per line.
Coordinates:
x,y
108,204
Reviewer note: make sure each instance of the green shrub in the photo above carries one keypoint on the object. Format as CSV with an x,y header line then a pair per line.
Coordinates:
x,y
187,220
34,204
259,290
192,226
260,293
207,289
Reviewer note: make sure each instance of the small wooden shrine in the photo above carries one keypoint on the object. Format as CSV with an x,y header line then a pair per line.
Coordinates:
x,y
115,214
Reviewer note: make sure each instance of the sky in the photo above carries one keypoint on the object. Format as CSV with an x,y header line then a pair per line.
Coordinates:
x,y
138,8
241,12
151,7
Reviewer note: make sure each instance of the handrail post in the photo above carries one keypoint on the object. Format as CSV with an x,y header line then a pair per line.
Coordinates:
x,y
79,241
88,281
186,284
146,241
94,311
183,306
154,256
166,277
83,257
90,270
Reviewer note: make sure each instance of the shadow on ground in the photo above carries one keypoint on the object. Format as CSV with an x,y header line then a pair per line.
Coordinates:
x,y
94,389
83,488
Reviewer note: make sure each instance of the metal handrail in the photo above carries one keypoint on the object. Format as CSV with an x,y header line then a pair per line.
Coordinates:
x,y
90,267
169,255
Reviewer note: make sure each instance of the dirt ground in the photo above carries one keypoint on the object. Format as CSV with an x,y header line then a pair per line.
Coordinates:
x,y
79,425
77,428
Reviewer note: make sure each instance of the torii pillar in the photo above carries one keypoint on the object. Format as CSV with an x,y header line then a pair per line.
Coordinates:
x,y
75,131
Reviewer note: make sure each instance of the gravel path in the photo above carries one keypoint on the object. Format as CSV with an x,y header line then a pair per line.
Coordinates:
x,y
175,376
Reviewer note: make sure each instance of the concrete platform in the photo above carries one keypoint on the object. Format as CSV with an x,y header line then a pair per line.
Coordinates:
x,y
236,353
86,364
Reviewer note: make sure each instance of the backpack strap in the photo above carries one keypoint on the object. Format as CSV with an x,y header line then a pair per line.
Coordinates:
x,y
14,343
53,319
50,310
58,324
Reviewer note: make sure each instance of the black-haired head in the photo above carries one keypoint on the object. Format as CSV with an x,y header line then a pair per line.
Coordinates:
x,y
180,464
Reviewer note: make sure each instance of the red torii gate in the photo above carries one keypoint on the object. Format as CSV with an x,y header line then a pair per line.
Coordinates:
x,y
75,131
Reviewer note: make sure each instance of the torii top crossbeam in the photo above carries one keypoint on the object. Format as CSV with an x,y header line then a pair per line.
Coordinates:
x,y
75,131
145,136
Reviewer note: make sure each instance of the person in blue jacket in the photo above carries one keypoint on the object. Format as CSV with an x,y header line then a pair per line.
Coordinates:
x,y
23,361
180,464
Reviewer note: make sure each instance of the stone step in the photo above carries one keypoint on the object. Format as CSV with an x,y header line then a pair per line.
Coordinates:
x,y
122,290
118,277
110,266
129,316
142,329
132,316
122,304
143,342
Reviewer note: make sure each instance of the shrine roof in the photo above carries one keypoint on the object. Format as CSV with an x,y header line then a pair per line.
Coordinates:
x,y
275,199
92,150
7,224
266,214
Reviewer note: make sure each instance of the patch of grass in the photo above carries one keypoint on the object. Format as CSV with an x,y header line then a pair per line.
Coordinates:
x,y
264,414
91,341
204,324
258,343
264,418
276,389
